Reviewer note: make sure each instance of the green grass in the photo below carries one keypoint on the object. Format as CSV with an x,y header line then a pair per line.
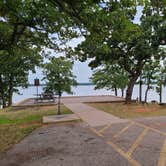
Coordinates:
x,y
15,125
133,110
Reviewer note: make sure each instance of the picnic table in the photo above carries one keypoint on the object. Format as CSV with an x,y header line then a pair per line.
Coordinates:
x,y
45,96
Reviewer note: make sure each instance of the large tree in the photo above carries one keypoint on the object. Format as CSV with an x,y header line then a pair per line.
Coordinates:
x,y
26,29
35,21
115,37
14,70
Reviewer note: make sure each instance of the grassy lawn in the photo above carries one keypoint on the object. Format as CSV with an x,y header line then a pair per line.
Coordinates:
x,y
15,125
133,110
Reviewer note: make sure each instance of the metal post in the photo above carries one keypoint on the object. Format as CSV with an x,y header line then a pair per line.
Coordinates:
x,y
37,91
37,83
140,89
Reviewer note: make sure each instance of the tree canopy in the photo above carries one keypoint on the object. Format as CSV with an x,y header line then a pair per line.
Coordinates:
x,y
109,28
114,36
27,30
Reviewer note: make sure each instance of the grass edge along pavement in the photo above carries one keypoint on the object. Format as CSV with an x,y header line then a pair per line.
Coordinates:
x,y
15,125
133,110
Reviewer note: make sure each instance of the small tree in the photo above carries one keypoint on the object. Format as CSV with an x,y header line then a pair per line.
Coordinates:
x,y
59,77
161,81
149,76
110,77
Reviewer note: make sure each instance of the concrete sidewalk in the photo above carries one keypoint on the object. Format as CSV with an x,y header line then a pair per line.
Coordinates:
x,y
90,115
96,98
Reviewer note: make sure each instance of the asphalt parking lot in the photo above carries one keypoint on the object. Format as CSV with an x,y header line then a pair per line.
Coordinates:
x,y
139,143
142,141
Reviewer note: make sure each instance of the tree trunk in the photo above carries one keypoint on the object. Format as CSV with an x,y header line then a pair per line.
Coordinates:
x,y
160,93
2,93
10,92
140,90
3,103
146,93
59,105
130,88
122,90
116,93
10,96
10,99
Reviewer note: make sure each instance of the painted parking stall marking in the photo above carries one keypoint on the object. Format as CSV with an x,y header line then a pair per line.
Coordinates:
x,y
162,159
138,143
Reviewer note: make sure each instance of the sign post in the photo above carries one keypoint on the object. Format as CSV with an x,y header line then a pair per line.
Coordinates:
x,y
36,83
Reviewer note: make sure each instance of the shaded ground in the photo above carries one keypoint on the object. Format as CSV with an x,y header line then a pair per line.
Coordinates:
x,y
15,125
62,145
158,123
142,141
137,143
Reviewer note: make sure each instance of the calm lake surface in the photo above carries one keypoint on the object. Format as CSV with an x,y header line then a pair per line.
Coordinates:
x,y
87,90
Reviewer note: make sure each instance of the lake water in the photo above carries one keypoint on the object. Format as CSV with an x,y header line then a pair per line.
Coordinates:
x,y
88,90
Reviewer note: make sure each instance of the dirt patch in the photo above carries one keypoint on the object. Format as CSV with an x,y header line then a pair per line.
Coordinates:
x,y
24,126
145,109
